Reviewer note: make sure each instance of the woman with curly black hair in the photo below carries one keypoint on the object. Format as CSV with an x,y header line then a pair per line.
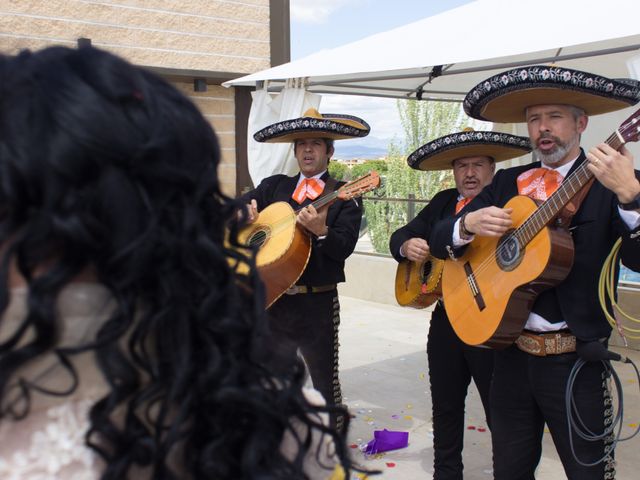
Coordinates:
x,y
129,348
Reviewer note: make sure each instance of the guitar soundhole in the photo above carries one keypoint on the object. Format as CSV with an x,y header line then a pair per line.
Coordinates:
x,y
258,238
426,271
509,253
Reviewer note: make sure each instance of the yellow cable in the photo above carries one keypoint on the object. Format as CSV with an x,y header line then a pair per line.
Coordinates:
x,y
606,286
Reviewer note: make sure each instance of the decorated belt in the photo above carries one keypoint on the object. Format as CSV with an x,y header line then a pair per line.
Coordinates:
x,y
543,344
294,290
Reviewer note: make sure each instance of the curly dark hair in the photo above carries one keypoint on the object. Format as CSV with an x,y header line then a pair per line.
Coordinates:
x,y
107,168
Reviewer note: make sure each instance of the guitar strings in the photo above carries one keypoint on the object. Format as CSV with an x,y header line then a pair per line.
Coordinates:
x,y
262,235
532,226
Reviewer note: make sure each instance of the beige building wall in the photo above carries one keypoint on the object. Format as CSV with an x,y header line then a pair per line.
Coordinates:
x,y
218,107
217,39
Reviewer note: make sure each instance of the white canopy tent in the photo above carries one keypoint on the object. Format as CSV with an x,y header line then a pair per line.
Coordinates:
x,y
443,56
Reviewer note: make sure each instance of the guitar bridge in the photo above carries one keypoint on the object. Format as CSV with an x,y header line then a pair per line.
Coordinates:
x,y
473,285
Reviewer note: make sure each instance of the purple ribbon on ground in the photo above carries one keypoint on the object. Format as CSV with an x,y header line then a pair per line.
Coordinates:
x,y
385,440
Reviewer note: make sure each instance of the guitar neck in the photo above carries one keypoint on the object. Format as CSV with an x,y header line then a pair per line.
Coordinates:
x,y
325,200
352,189
561,197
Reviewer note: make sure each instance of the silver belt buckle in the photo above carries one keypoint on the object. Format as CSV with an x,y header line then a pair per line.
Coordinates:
x,y
293,290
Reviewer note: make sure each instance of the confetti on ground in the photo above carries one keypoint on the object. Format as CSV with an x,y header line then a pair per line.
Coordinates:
x,y
546,430
633,425
409,406
422,376
482,429
395,417
353,445
471,427
408,417
390,464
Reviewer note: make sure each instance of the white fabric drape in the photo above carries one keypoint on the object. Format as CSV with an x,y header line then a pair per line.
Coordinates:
x,y
267,159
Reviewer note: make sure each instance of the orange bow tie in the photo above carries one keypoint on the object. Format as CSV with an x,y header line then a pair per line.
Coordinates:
x,y
310,188
539,183
462,203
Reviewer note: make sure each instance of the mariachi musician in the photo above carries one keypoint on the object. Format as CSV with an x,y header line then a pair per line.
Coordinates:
x,y
452,364
307,316
531,374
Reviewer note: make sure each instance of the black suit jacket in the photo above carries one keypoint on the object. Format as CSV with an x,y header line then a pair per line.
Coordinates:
x,y
326,264
595,227
442,205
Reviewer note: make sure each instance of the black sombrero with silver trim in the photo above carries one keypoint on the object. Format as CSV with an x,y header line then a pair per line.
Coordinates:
x,y
440,153
504,97
314,125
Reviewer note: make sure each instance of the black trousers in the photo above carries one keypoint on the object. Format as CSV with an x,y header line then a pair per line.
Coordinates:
x,y
452,365
310,322
529,391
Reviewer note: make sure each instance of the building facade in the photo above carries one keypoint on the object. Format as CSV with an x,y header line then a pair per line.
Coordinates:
x,y
195,44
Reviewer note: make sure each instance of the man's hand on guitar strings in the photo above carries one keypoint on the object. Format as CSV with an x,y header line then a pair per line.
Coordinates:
x,y
252,212
489,221
415,249
312,221
614,170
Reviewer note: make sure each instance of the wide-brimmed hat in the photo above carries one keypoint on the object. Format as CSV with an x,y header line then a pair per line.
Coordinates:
x,y
313,124
504,97
440,153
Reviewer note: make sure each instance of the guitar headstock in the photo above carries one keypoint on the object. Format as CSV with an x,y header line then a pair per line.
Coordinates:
x,y
630,128
359,186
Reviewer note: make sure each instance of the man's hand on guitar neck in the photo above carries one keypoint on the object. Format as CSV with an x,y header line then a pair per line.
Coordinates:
x,y
488,221
614,170
313,221
415,249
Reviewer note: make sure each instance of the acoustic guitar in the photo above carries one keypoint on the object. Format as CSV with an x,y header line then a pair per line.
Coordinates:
x,y
418,283
283,245
490,290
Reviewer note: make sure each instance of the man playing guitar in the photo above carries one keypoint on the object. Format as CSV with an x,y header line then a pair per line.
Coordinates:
x,y
307,316
452,364
530,375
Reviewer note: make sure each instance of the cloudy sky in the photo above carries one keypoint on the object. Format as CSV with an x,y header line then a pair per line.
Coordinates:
x,y
322,24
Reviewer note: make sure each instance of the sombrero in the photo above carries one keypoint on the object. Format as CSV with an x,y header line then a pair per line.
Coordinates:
x,y
504,97
440,153
314,125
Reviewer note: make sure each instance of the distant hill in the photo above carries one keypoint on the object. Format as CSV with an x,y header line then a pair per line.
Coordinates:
x,y
348,150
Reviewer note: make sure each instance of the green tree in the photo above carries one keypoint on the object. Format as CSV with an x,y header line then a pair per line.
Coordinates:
x,y
422,121
338,170
341,171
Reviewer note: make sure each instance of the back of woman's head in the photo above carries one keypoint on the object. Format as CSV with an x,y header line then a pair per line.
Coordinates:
x,y
109,172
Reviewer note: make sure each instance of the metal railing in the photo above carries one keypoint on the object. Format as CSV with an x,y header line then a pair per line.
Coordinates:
x,y
413,206
628,279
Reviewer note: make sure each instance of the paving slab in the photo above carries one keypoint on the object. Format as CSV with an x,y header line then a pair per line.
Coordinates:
x,y
384,376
